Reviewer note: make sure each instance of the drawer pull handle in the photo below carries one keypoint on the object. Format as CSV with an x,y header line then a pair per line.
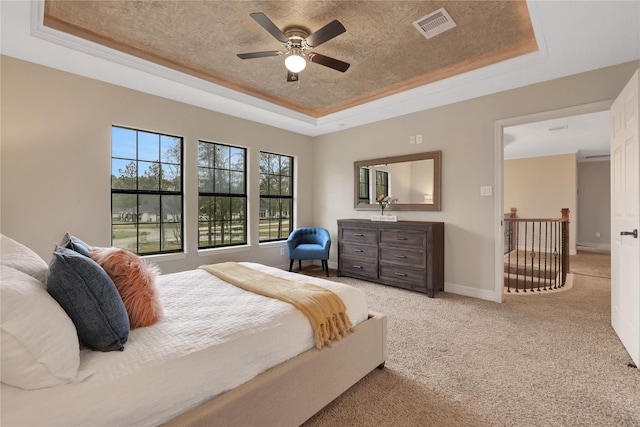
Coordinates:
x,y
401,238
357,266
358,234
400,256
401,274
358,250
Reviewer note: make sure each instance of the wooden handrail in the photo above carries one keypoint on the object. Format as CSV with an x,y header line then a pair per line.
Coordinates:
x,y
536,219
511,216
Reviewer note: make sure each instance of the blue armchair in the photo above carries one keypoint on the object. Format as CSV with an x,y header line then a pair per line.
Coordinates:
x,y
309,243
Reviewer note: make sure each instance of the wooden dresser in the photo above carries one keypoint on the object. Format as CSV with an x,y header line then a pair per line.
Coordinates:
x,y
405,254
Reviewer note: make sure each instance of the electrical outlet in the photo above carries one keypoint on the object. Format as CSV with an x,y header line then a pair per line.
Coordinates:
x,y
419,139
598,234
281,251
412,139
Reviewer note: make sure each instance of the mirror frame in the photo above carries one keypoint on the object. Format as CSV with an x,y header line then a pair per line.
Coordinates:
x,y
436,156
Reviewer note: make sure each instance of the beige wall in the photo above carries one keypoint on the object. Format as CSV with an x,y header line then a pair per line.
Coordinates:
x,y
465,133
56,159
55,164
594,204
539,187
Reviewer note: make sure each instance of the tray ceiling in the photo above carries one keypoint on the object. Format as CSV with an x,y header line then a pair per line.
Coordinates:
x,y
387,53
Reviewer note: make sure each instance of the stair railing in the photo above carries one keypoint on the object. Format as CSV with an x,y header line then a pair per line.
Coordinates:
x,y
509,230
538,252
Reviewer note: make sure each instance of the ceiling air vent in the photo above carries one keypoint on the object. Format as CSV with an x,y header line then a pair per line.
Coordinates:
x,y
434,23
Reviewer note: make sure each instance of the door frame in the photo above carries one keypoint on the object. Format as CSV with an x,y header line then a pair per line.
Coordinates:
x,y
499,125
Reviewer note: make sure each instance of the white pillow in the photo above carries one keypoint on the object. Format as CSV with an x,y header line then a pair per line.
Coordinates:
x,y
39,345
20,257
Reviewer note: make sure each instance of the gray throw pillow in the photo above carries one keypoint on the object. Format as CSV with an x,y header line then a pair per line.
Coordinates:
x,y
72,242
90,298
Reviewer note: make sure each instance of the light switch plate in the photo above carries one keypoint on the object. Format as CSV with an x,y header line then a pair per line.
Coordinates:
x,y
486,190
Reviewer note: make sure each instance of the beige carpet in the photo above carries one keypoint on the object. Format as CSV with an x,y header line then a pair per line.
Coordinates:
x,y
553,360
591,263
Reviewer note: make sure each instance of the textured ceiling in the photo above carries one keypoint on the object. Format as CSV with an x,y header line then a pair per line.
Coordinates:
x,y
386,52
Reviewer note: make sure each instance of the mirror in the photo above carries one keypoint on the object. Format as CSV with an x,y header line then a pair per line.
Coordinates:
x,y
414,179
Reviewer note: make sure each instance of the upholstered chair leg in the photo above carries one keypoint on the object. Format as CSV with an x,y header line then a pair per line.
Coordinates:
x,y
300,264
290,265
325,266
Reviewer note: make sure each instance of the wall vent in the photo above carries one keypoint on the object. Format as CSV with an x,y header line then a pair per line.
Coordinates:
x,y
434,23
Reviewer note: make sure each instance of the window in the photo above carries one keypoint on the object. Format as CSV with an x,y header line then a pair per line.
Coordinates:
x,y
276,197
363,182
382,183
222,191
146,191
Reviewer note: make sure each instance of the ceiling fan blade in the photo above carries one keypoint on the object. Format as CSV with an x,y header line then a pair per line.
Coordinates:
x,y
292,77
336,64
268,25
326,33
259,54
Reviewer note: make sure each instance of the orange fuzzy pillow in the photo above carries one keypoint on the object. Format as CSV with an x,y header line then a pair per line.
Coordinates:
x,y
136,282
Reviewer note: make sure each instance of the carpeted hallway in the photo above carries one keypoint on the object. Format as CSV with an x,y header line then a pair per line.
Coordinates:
x,y
544,360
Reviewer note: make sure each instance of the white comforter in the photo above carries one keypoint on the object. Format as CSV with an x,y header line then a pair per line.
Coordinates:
x,y
212,338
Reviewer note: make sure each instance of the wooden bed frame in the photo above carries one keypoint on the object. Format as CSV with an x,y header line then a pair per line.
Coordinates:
x,y
292,392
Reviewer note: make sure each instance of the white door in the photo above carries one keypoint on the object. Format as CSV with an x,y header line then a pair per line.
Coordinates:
x,y
625,219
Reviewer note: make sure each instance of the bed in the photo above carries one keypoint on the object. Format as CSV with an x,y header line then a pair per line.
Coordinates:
x,y
219,355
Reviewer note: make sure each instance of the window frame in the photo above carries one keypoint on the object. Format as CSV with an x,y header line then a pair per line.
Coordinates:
x,y
279,197
215,195
382,183
363,182
163,195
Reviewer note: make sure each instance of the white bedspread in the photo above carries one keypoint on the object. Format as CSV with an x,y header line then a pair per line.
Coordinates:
x,y
212,338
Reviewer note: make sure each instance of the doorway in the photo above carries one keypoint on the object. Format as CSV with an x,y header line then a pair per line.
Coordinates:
x,y
502,137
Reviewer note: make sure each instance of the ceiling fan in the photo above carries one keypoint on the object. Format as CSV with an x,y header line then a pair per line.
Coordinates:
x,y
298,42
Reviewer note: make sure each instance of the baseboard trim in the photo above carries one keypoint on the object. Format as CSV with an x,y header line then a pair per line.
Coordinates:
x,y
467,291
594,246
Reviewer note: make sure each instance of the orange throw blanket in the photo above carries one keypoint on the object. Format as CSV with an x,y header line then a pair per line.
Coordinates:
x,y
324,309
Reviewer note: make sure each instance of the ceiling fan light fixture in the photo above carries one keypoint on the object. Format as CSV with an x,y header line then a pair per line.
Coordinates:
x,y
297,42
295,62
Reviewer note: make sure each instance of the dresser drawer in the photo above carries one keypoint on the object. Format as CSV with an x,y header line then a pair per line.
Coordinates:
x,y
360,235
408,278
359,267
355,250
403,238
396,255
